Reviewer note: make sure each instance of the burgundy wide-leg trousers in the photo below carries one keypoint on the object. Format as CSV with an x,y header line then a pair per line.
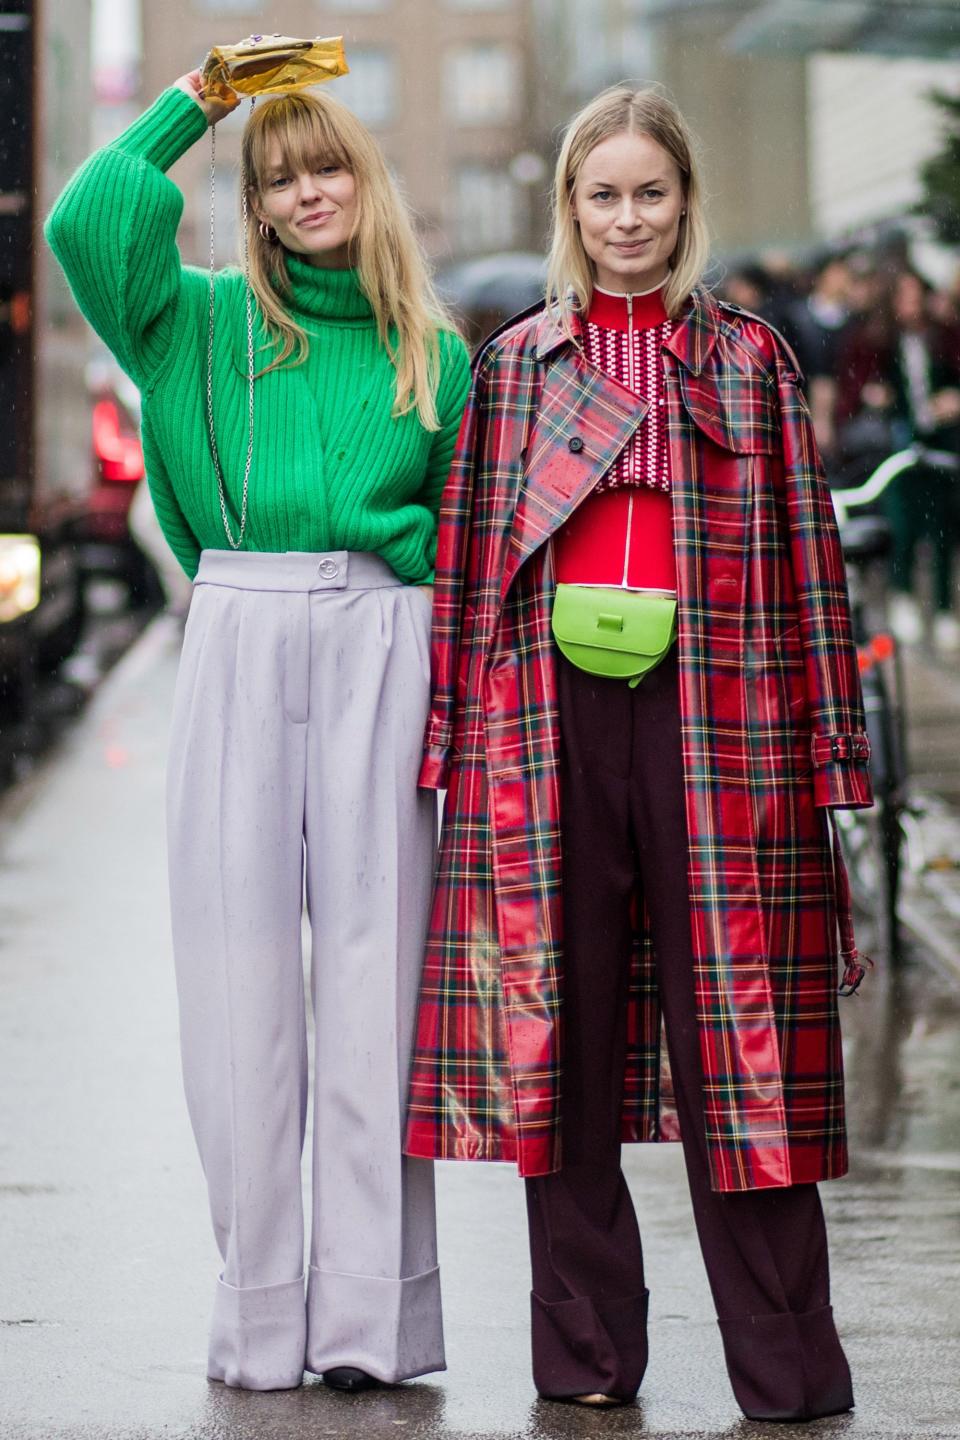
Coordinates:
x,y
765,1251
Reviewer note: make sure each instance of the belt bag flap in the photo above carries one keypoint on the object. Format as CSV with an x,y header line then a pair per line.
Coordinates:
x,y
624,621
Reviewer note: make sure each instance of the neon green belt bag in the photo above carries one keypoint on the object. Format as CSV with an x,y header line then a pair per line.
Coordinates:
x,y
617,634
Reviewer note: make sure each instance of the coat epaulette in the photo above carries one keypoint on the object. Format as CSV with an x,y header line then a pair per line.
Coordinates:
x,y
788,349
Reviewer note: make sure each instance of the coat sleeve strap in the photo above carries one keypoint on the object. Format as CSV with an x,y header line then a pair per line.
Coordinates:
x,y
841,778
435,766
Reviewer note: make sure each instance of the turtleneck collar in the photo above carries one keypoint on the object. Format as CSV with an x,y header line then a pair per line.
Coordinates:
x,y
333,296
613,311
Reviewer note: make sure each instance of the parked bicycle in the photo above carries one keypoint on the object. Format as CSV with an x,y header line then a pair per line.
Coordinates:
x,y
873,840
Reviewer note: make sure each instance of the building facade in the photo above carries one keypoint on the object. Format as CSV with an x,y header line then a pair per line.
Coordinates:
x,y
469,97
872,126
815,116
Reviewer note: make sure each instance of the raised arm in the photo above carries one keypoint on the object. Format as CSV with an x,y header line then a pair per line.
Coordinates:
x,y
114,229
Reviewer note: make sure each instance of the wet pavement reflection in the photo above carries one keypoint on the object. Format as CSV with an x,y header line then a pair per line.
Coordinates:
x,y
903,1069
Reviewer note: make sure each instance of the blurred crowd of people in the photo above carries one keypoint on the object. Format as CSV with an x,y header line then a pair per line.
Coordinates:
x,y
879,347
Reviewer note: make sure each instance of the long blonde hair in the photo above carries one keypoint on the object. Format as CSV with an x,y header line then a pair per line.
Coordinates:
x,y
619,110
384,249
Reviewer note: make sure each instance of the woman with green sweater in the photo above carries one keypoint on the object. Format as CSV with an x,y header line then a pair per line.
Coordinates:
x,y
297,435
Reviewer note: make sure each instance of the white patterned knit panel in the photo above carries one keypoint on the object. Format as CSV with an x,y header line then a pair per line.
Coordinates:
x,y
644,459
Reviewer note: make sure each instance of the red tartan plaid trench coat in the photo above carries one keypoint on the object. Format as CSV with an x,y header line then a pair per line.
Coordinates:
x,y
773,736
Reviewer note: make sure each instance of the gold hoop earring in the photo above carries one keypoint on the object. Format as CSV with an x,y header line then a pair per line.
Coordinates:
x,y
268,233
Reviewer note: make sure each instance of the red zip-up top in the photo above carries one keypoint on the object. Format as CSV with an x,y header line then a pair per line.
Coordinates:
x,y
622,533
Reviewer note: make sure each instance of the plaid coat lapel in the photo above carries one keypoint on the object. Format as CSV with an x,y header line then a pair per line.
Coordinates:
x,y
583,420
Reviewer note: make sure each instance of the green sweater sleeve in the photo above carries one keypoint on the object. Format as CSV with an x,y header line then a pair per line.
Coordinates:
x,y
452,395
114,228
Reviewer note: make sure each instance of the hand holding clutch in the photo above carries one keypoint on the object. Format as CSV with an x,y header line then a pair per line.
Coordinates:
x,y
213,107
270,64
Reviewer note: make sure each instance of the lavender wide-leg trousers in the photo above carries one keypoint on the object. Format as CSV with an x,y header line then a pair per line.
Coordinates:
x,y
297,728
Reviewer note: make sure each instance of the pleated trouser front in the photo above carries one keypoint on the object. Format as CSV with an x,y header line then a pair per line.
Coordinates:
x,y
299,712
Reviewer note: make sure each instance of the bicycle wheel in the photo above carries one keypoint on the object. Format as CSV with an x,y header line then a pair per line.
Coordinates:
x,y
872,842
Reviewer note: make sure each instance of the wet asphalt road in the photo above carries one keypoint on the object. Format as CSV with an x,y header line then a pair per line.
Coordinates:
x,y
107,1264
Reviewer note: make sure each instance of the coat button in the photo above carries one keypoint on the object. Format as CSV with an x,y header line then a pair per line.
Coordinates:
x,y
576,444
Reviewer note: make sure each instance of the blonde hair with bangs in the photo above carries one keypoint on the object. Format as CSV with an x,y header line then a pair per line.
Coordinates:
x,y
617,111
313,129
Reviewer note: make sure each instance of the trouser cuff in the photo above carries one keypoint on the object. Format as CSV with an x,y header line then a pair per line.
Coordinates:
x,y
258,1337
787,1367
585,1346
391,1329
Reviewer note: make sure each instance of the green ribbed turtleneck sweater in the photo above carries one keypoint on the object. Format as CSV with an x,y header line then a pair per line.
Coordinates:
x,y
332,469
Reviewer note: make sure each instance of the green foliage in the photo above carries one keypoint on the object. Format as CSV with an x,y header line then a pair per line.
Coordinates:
x,y
941,174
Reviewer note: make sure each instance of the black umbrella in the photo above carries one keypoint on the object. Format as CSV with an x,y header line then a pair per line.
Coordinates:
x,y
502,283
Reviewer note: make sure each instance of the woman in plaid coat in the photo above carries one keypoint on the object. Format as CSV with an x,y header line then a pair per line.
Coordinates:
x,y
611,855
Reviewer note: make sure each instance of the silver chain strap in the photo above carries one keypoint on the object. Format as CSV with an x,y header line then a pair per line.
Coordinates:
x,y
215,454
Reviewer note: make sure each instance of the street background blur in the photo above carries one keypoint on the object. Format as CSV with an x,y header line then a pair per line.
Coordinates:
x,y
830,143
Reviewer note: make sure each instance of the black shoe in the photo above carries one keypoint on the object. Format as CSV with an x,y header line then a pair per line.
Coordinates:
x,y
345,1377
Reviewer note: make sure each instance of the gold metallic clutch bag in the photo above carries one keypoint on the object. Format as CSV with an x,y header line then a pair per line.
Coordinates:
x,y
269,64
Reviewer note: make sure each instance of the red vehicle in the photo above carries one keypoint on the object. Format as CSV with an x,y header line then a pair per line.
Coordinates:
x,y
107,546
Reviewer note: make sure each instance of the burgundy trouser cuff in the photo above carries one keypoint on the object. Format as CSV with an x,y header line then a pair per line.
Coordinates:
x,y
585,1346
787,1367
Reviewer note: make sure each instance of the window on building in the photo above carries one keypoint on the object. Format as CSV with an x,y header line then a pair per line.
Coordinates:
x,y
358,7
486,215
369,89
481,83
